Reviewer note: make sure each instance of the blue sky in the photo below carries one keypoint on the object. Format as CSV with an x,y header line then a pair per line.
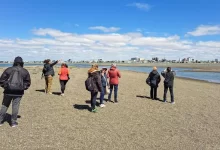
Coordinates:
x,y
92,29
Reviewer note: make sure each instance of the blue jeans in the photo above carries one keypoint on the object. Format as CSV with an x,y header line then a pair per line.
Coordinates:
x,y
115,86
102,95
15,107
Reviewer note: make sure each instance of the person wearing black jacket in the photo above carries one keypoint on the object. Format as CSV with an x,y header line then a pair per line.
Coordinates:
x,y
154,80
48,73
169,75
97,85
13,95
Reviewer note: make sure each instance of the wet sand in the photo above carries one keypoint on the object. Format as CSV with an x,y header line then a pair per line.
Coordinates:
x,y
50,122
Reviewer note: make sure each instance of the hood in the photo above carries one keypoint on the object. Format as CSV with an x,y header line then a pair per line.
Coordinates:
x,y
94,73
92,70
18,60
154,72
112,68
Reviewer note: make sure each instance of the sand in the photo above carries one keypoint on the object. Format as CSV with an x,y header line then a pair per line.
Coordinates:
x,y
51,122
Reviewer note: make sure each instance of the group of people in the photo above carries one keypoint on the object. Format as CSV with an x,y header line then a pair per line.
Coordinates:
x,y
99,83
15,80
154,79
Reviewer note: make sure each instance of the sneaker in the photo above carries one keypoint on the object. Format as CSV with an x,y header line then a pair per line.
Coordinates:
x,y
102,105
116,102
172,102
164,101
1,124
94,110
14,124
50,93
62,94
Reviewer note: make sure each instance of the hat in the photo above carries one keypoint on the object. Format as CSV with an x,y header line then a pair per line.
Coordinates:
x,y
154,68
105,68
18,60
113,65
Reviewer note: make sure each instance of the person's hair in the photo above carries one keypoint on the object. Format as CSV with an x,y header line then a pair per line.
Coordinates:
x,y
95,66
18,64
168,69
46,61
64,64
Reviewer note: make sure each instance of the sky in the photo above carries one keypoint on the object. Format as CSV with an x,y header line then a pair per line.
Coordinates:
x,y
109,29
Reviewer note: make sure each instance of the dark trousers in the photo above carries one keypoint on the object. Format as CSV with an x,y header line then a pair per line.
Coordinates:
x,y
153,92
102,95
15,107
93,99
115,86
63,85
171,92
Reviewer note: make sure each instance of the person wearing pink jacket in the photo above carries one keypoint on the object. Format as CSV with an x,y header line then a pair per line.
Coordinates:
x,y
113,75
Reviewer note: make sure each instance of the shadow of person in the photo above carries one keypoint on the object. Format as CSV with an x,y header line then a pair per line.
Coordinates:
x,y
43,91
140,96
8,118
81,107
56,93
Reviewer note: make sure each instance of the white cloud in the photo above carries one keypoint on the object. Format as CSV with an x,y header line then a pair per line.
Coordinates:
x,y
203,30
108,46
105,29
141,6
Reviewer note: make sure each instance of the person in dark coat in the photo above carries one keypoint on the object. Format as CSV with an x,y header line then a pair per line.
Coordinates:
x,y
154,80
20,81
97,85
169,75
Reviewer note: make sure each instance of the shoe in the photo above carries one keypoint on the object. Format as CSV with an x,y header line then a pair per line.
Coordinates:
x,y
94,110
172,102
102,105
1,124
164,101
116,102
13,125
62,94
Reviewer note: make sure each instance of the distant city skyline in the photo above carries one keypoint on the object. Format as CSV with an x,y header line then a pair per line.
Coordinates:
x,y
110,30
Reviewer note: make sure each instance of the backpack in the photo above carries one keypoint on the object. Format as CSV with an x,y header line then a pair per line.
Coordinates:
x,y
89,83
15,81
44,70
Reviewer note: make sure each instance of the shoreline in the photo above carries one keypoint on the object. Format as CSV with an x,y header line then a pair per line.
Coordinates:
x,y
185,78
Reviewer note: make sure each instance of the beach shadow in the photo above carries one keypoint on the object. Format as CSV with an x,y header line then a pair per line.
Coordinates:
x,y
43,91
140,96
81,107
56,93
8,118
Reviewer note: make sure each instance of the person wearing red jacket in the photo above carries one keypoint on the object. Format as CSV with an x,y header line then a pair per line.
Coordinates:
x,y
64,77
113,75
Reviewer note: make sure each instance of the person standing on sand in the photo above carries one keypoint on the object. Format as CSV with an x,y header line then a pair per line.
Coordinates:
x,y
154,80
14,80
113,74
169,75
48,72
64,77
104,86
95,75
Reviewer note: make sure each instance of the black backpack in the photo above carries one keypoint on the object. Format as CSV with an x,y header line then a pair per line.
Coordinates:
x,y
89,83
15,81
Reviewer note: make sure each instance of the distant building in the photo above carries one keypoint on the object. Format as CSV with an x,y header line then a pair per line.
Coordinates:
x,y
135,59
189,59
216,60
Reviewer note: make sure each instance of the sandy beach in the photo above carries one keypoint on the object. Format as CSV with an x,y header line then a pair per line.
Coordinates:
x,y
52,122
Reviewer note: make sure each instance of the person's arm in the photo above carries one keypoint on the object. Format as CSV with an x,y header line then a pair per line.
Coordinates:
x,y
59,73
4,77
54,63
174,73
27,81
99,83
163,73
118,73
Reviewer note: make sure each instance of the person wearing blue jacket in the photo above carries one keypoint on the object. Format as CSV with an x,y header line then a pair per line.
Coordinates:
x,y
104,85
